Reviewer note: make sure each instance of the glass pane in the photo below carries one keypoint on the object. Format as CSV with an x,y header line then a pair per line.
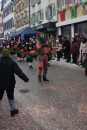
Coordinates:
x,y
66,32
81,28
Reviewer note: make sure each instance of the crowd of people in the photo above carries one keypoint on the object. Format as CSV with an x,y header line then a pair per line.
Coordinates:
x,y
73,51
45,49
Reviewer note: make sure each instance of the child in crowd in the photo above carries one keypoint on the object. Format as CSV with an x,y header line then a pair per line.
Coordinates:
x,y
58,51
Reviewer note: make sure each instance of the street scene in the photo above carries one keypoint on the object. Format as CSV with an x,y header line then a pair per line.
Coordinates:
x,y
59,104
43,64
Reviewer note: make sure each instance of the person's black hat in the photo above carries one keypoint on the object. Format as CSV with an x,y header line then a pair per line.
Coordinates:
x,y
60,36
65,38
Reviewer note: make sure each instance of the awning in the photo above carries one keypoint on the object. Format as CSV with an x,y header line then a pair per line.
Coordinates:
x,y
25,32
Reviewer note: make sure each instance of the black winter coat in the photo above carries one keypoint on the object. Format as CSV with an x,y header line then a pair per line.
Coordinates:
x,y
67,45
8,68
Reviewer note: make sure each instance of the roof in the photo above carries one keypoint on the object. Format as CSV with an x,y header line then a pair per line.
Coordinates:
x,y
26,32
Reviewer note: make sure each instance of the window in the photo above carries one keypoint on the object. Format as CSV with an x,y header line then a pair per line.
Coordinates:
x,y
38,1
66,31
33,19
81,28
50,11
39,16
63,2
33,3
25,4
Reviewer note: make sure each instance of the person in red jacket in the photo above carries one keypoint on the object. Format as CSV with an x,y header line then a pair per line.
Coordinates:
x,y
74,50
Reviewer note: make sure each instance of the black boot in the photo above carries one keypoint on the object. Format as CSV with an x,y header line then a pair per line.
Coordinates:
x,y
16,111
39,78
45,79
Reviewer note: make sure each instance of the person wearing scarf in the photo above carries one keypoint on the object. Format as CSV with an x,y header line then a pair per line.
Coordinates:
x,y
52,45
42,52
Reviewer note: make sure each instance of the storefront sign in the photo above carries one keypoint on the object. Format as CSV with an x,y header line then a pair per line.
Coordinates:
x,y
62,16
73,12
51,29
39,27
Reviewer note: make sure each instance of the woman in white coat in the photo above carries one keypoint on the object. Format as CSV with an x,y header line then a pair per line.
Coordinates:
x,y
83,49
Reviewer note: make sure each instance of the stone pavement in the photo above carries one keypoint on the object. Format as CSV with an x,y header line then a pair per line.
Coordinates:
x,y
60,104
22,121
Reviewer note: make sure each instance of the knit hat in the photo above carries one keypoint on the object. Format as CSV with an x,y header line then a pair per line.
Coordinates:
x,y
5,53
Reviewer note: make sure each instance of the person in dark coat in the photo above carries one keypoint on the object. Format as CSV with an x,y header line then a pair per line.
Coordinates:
x,y
66,48
8,68
74,50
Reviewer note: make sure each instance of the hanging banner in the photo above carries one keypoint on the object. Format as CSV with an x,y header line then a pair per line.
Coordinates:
x,y
62,16
73,12
22,36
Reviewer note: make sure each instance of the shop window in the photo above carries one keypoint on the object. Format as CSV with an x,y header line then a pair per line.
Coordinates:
x,y
66,32
81,28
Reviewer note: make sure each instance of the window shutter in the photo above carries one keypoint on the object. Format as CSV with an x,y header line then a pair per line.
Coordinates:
x,y
32,3
31,20
42,14
38,1
20,22
36,19
46,13
53,9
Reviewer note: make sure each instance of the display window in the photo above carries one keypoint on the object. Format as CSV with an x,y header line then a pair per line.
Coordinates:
x,y
81,28
66,32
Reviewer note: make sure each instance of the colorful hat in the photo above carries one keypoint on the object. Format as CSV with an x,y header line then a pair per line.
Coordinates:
x,y
5,53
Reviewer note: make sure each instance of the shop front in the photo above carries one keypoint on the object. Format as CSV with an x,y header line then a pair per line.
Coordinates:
x,y
48,28
73,20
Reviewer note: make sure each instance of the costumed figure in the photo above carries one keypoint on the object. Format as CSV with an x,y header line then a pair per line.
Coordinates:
x,y
18,48
30,53
52,45
12,50
42,52
23,49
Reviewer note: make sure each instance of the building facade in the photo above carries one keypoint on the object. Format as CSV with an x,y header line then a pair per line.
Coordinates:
x,y
43,15
8,18
72,17
1,26
21,11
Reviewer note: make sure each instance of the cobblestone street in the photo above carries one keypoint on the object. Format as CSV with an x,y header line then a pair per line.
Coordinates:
x,y
60,104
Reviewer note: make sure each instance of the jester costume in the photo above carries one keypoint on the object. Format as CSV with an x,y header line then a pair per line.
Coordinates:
x,y
42,52
29,57
12,51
